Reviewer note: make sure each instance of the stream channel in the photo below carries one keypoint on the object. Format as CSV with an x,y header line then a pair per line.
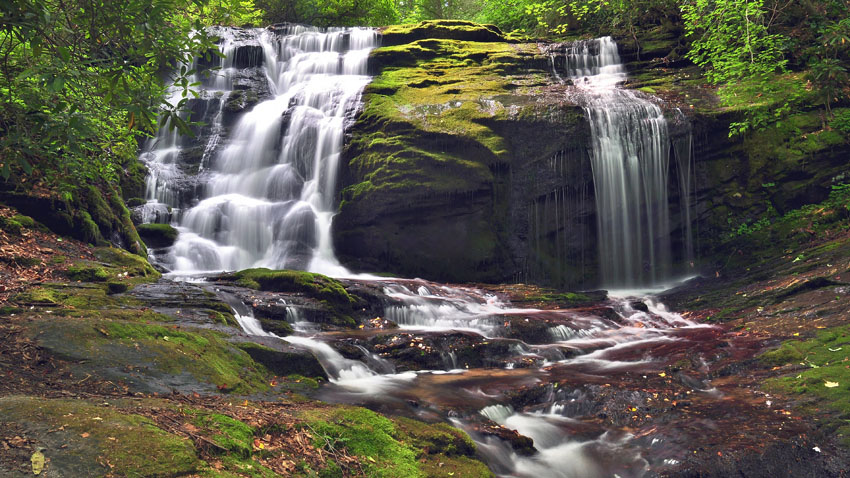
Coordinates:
x,y
597,388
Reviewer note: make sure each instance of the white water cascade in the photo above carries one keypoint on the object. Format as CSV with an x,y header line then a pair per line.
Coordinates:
x,y
630,155
267,183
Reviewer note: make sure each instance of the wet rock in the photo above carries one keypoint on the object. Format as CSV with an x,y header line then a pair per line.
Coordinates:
x,y
285,362
248,56
638,305
436,351
157,235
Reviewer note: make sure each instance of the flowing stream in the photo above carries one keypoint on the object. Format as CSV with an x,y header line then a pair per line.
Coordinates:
x,y
258,192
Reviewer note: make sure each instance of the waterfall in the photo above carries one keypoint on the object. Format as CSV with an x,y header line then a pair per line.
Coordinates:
x,y
263,191
630,155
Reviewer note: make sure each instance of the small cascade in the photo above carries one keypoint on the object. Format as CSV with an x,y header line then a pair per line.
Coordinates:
x,y
262,192
630,160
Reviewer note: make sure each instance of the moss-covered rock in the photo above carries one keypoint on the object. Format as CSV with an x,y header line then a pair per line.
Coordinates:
x,y
428,188
153,356
80,438
337,304
284,363
395,448
157,235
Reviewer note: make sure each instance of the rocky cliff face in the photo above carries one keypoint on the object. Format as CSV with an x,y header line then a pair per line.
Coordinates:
x,y
469,162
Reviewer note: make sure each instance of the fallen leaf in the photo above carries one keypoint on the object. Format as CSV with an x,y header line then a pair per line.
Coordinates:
x,y
85,434
37,460
829,384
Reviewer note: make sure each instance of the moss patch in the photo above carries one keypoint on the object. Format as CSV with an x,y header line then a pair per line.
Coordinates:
x,y
330,292
94,435
158,351
228,433
397,447
824,383
157,235
367,434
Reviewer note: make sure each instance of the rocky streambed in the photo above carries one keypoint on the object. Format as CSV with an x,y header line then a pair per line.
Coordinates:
x,y
544,382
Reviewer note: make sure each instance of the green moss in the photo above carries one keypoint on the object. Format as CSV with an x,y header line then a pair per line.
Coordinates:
x,y
75,296
87,274
436,438
825,383
91,435
24,221
204,354
135,266
133,180
280,328
559,297
157,235
330,292
366,434
88,230
136,202
37,296
226,432
155,349
317,285
400,447
10,225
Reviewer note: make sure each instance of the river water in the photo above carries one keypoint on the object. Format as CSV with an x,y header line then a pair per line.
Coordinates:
x,y
263,197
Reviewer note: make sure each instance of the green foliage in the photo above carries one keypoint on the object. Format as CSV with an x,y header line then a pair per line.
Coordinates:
x,y
325,13
828,69
80,80
732,40
841,121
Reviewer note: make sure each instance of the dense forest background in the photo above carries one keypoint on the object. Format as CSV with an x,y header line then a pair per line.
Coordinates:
x,y
83,81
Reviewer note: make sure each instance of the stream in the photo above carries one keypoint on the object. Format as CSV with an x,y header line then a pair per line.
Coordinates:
x,y
554,392
543,390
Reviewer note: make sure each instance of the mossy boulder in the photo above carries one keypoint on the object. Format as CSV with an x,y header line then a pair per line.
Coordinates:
x,y
335,305
284,363
84,273
428,188
157,235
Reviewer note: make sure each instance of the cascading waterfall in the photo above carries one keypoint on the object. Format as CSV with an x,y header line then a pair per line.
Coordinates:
x,y
630,155
266,191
